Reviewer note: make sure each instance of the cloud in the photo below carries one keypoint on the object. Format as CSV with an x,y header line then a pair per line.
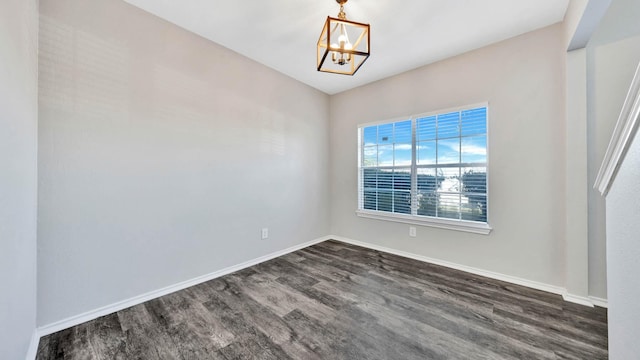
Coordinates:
x,y
474,150
402,147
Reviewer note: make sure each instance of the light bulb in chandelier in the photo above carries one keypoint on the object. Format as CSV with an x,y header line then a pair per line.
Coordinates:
x,y
340,56
342,39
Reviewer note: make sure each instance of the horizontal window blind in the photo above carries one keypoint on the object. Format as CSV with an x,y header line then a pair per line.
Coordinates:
x,y
426,166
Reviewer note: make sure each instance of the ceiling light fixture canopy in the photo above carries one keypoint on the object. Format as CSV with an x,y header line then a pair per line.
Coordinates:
x,y
336,52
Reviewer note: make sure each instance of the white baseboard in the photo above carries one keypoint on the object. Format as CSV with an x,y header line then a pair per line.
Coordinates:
x,y
590,301
581,300
108,309
587,301
33,345
599,302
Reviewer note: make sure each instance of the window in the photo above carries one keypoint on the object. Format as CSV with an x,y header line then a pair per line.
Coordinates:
x,y
428,169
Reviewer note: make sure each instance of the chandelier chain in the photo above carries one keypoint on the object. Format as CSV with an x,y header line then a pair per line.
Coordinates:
x,y
342,15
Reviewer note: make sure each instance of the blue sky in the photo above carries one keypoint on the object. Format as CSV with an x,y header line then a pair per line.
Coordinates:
x,y
390,144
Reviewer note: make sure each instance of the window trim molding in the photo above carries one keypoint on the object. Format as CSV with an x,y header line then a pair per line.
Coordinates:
x,y
441,223
426,114
482,228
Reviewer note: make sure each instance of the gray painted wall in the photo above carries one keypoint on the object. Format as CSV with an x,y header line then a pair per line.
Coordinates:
x,y
620,22
577,186
610,68
623,252
162,155
524,81
18,176
613,55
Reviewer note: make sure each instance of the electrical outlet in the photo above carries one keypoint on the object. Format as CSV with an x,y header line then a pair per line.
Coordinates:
x,y
412,231
265,233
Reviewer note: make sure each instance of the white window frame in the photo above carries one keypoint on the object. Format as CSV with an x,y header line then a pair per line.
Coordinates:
x,y
420,220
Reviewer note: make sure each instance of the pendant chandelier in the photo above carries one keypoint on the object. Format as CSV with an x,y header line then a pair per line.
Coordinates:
x,y
343,45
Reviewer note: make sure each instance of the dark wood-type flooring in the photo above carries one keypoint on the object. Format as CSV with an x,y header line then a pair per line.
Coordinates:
x,y
338,301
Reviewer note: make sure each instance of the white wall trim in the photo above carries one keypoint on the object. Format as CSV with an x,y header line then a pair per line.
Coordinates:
x,y
33,345
590,301
108,309
469,269
460,225
582,300
599,302
587,301
622,136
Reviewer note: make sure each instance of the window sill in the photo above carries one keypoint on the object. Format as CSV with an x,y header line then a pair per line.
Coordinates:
x,y
459,225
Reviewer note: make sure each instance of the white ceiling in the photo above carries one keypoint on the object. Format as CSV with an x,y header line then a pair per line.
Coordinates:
x,y
407,34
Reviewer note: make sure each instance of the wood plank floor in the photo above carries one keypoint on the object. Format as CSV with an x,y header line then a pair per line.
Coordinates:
x,y
338,301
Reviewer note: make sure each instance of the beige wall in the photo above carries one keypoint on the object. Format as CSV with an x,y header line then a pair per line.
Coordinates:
x,y
162,155
523,79
18,176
